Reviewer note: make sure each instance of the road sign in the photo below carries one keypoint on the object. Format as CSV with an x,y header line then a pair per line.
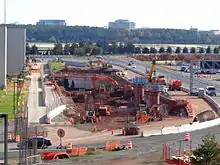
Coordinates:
x,y
60,132
139,80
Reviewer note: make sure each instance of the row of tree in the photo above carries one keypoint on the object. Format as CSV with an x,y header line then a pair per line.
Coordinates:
x,y
83,48
70,34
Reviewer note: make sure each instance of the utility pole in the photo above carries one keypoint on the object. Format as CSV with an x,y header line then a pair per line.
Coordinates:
x,y
5,7
191,76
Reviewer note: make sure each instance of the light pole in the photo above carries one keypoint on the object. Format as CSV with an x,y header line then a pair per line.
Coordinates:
x,y
5,116
5,9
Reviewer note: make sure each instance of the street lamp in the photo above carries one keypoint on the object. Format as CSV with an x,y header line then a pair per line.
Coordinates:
x,y
17,81
5,117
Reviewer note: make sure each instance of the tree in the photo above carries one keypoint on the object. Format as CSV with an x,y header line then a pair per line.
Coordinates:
x,y
121,48
85,34
207,153
146,50
178,50
169,50
201,50
161,50
79,51
137,50
67,49
96,50
73,48
192,50
216,50
129,48
208,50
28,49
185,50
112,48
58,49
153,50
34,49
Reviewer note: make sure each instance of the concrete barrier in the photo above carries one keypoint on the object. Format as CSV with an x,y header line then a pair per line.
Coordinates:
x,y
169,130
152,132
53,113
183,128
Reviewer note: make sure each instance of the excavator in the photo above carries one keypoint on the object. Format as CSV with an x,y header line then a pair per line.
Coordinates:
x,y
103,78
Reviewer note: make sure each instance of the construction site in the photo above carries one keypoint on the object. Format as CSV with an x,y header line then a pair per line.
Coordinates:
x,y
100,97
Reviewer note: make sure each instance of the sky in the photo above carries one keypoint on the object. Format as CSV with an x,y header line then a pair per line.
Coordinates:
x,y
181,14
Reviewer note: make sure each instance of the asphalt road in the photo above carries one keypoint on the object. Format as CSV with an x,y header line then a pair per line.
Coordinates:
x,y
148,145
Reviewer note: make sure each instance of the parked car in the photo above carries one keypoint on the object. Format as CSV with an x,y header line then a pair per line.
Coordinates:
x,y
41,142
194,92
211,91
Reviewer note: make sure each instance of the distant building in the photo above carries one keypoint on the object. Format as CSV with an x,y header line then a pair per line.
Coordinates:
x,y
52,22
121,24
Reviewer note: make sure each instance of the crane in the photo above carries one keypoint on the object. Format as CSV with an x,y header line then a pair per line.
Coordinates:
x,y
149,76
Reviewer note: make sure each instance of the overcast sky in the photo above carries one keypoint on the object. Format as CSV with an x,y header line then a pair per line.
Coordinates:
x,y
202,14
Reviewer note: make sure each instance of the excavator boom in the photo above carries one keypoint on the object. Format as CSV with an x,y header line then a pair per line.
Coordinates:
x,y
149,75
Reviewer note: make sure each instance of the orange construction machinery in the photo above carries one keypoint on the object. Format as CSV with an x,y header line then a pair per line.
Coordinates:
x,y
175,85
104,110
103,78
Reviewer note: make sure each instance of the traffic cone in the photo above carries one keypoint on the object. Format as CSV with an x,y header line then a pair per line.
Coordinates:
x,y
17,138
9,136
187,137
129,144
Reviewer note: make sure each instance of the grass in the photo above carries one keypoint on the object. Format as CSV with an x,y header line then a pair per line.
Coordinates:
x,y
57,66
6,100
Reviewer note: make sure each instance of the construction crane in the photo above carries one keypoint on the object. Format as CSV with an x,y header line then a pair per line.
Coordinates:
x,y
149,76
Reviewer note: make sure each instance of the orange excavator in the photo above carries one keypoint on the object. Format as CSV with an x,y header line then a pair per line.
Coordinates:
x,y
103,78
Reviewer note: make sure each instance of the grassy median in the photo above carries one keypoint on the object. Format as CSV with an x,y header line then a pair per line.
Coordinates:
x,y
7,98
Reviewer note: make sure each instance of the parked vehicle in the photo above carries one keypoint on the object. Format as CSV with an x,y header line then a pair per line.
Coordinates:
x,y
41,142
211,91
194,92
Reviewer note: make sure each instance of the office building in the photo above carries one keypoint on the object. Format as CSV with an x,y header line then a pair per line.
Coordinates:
x,y
52,22
121,24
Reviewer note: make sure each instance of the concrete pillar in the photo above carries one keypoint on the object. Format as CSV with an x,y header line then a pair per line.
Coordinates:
x,y
16,50
3,56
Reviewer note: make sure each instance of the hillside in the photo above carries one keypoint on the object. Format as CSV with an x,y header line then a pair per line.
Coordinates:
x,y
39,33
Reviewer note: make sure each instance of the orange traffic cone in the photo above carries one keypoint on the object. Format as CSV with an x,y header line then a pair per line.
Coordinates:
x,y
187,137
17,138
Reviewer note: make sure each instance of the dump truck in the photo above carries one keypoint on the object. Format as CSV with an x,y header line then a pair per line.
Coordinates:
x,y
175,85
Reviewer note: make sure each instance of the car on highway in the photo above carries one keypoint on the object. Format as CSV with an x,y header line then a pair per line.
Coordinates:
x,y
211,90
194,92
41,142
132,65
